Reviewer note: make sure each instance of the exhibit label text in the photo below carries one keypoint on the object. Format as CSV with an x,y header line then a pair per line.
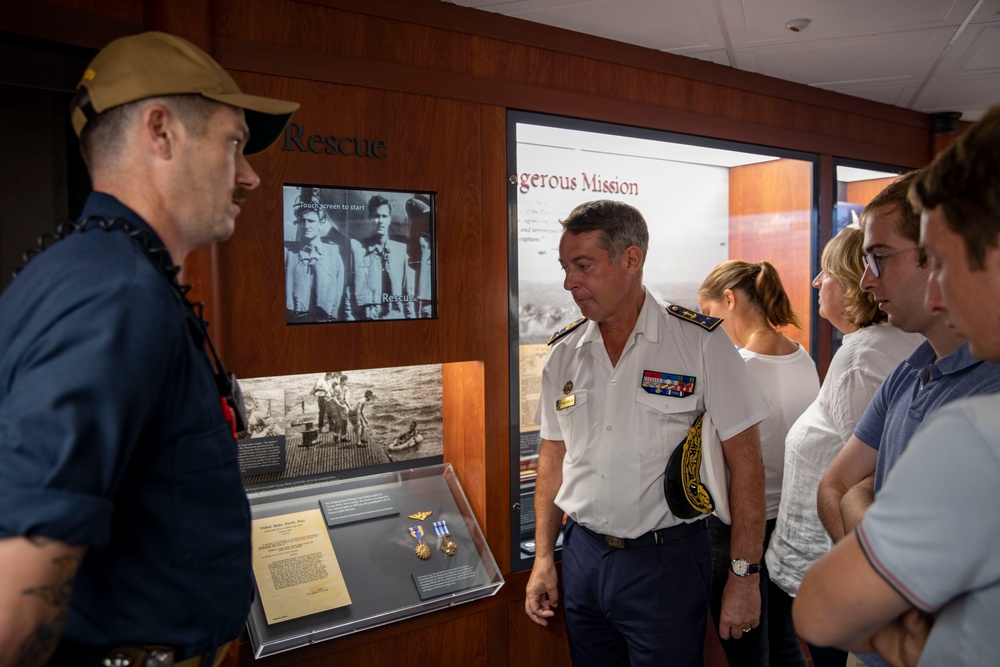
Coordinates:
x,y
296,139
590,182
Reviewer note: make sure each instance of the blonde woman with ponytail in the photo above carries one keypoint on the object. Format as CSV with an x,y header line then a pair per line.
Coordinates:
x,y
752,302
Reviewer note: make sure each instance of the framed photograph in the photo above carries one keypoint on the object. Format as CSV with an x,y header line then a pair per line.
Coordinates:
x,y
311,428
358,255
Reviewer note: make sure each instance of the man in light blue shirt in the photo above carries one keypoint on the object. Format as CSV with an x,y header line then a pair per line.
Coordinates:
x,y
940,370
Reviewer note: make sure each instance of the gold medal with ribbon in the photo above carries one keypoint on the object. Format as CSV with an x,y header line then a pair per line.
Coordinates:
x,y
422,550
447,545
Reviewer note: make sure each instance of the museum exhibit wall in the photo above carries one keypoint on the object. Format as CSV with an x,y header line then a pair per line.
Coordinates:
x,y
433,83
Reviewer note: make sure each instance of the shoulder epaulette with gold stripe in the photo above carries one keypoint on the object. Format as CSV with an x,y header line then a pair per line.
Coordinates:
x,y
694,317
565,330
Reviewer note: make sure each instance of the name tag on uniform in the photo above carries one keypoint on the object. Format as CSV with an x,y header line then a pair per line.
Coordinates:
x,y
566,402
668,384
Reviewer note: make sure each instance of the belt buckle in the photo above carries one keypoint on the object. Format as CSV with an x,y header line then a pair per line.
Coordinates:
x,y
139,656
616,542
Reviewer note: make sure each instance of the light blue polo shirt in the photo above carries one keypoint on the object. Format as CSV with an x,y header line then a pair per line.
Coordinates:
x,y
915,390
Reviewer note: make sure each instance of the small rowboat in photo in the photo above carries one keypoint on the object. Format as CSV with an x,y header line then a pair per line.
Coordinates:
x,y
409,443
407,440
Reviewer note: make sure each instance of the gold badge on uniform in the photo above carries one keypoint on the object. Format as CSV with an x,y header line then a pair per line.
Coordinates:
x,y
568,387
566,402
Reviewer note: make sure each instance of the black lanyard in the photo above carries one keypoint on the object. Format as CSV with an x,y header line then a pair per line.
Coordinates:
x,y
225,382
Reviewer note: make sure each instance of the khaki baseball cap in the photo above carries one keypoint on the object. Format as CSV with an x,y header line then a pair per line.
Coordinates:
x,y
153,64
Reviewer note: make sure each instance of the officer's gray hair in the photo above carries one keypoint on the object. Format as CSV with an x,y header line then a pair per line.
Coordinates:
x,y
621,225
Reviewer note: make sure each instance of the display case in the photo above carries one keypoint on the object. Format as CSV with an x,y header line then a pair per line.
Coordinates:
x,y
344,556
705,201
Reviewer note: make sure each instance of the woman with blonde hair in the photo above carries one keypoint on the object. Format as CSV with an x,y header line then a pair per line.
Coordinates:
x,y
870,350
753,304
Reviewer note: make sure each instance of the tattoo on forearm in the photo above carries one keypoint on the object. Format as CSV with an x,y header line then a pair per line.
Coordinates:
x,y
40,540
40,644
57,594
38,647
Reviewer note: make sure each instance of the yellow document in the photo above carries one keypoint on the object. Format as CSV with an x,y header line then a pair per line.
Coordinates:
x,y
532,362
295,566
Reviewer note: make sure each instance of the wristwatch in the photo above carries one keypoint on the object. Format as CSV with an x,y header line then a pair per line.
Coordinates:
x,y
741,568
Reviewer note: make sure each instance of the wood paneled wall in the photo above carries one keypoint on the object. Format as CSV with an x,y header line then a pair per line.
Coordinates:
x,y
434,81
770,219
436,49
424,136
862,192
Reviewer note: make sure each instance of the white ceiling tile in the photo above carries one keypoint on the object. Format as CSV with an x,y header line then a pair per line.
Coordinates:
x,y
756,22
990,11
655,24
897,93
984,54
977,50
859,59
960,94
928,55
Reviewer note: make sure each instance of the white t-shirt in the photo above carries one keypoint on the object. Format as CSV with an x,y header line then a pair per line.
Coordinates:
x,y
322,388
864,360
790,383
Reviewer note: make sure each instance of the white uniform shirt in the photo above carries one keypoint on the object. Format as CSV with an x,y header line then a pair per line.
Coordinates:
x,y
618,436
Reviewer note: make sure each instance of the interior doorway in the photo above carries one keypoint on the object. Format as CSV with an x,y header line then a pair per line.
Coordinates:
x,y
43,180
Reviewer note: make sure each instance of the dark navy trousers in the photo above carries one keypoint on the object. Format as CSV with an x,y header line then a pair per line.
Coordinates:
x,y
638,607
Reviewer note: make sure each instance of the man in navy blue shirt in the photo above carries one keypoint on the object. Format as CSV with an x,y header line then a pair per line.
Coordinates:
x,y
124,528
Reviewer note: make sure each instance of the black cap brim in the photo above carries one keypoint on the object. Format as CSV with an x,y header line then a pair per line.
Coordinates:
x,y
264,129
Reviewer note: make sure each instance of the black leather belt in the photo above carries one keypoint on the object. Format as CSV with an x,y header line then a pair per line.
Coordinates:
x,y
653,537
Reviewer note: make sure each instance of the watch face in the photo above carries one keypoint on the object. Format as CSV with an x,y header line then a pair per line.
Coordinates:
x,y
740,567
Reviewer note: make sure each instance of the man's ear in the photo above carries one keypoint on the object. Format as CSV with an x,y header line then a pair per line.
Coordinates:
x,y
159,130
633,256
992,252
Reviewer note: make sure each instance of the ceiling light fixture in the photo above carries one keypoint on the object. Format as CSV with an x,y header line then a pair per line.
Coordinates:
x,y
798,25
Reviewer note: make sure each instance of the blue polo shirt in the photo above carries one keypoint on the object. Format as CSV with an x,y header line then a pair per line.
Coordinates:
x,y
915,390
112,436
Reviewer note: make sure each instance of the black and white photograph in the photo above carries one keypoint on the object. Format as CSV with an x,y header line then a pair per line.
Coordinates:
x,y
358,255
264,411
336,421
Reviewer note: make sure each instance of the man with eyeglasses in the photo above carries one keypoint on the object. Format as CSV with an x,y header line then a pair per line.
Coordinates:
x,y
940,370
